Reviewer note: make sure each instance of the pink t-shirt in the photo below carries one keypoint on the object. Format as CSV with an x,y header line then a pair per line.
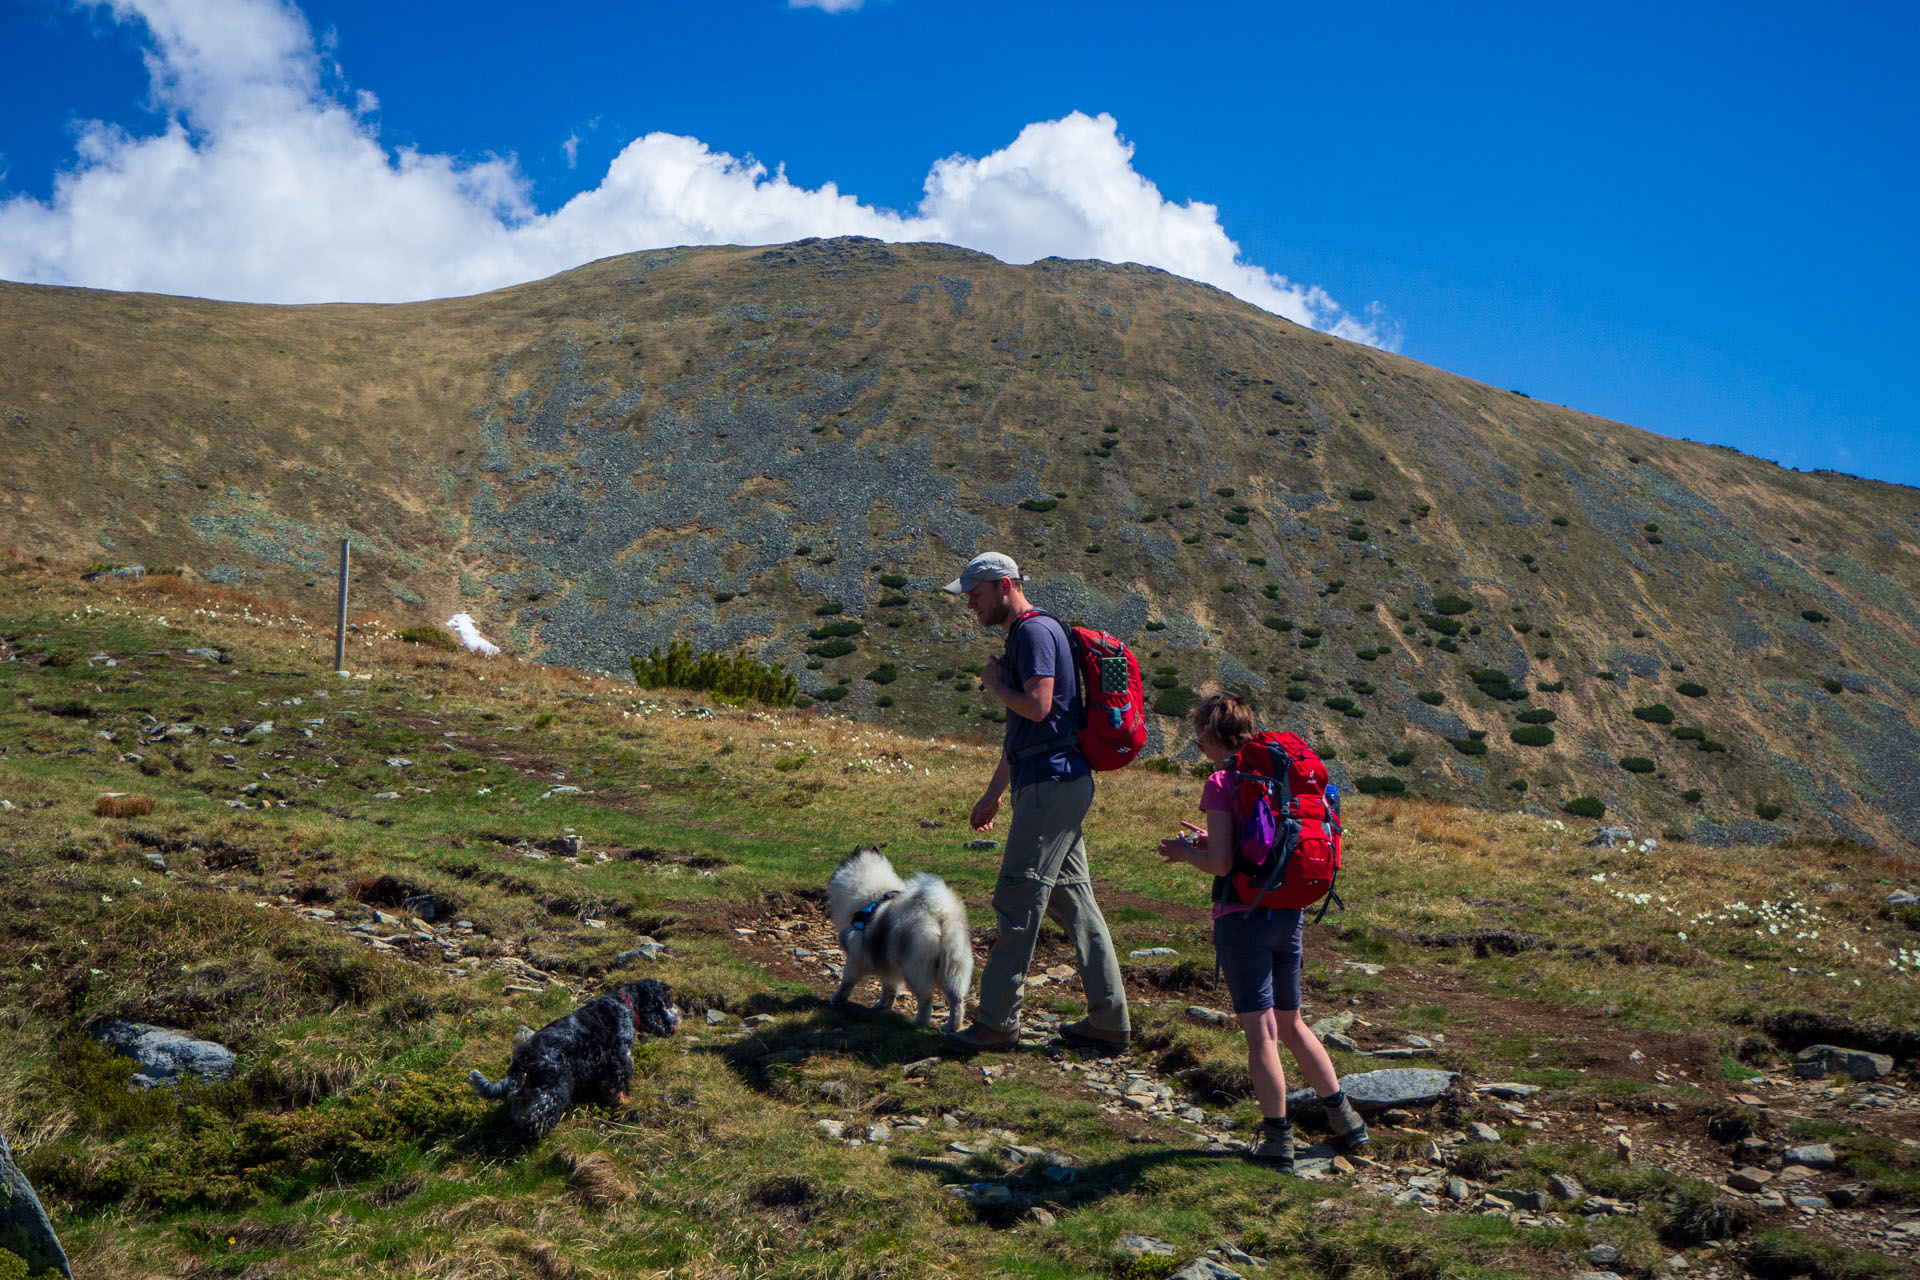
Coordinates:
x,y
1217,797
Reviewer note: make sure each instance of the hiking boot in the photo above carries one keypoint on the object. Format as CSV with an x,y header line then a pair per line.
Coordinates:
x,y
979,1038
1349,1130
1276,1145
1083,1035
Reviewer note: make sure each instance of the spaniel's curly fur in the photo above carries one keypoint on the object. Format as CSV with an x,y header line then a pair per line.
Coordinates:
x,y
588,1054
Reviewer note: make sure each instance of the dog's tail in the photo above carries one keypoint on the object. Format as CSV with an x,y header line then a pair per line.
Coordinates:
x,y
504,1087
956,941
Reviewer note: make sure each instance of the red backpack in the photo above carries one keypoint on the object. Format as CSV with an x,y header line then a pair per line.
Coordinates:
x,y
1286,823
1113,724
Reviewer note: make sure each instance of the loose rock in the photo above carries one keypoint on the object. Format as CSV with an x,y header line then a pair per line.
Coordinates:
x,y
1817,1061
165,1056
1376,1091
24,1227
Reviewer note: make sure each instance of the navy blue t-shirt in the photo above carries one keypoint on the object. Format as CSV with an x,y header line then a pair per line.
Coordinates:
x,y
1038,647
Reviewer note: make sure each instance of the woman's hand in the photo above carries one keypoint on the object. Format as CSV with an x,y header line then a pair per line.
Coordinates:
x,y
1177,849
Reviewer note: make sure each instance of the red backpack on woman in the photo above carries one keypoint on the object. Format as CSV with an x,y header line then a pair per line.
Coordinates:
x,y
1286,823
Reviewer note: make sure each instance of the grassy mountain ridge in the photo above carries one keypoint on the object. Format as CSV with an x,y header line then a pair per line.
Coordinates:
x,y
727,444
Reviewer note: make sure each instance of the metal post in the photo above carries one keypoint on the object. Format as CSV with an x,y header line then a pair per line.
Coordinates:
x,y
340,617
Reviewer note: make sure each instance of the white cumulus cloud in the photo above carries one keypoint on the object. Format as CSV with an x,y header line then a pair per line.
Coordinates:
x,y
265,185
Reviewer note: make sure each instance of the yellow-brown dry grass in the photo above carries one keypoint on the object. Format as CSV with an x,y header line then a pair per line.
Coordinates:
x,y
595,1179
118,804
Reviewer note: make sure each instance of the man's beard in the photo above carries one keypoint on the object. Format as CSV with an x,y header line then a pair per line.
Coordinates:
x,y
998,616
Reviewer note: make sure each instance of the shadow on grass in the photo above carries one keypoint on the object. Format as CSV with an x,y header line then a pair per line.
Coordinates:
x,y
1030,1184
811,1027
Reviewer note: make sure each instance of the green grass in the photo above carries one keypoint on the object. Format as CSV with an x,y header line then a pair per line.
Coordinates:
x,y
349,1127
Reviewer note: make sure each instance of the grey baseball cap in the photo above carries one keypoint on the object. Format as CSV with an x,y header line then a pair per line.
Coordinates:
x,y
988,566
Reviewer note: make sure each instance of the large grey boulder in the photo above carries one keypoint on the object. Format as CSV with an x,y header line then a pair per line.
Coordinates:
x,y
1372,1091
24,1229
165,1056
1819,1060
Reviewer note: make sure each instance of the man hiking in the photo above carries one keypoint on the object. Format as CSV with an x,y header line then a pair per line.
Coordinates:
x,y
1043,871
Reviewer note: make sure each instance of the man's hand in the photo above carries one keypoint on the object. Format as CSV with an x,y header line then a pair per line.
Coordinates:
x,y
1175,849
994,680
984,810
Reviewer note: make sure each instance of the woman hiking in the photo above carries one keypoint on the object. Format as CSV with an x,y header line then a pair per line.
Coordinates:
x,y
1258,950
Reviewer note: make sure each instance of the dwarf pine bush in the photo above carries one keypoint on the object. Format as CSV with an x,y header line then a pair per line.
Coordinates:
x,y
1532,735
732,675
1637,764
1585,807
1656,713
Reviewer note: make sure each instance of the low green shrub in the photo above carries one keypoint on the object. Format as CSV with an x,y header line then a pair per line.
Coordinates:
x,y
1296,694
1404,756
1536,715
1446,644
1523,627
1226,492
1767,811
1040,504
1432,697
830,608
1585,807
885,673
721,597
1156,626
1469,746
1496,684
1311,633
1361,687
1261,561
1692,795
1274,622
1445,626
1637,764
1360,495
432,637
1338,704
833,649
727,675
835,692
1832,686
1688,689
892,600
1518,784
1236,517
1379,784
1452,604
1532,735
1710,746
1177,701
848,627
1687,733
1656,713
1813,615
1561,521
1552,686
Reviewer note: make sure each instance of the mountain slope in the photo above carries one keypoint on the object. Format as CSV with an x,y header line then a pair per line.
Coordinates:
x,y
727,444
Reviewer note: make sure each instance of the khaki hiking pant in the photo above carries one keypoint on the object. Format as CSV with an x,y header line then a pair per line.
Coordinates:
x,y
1043,873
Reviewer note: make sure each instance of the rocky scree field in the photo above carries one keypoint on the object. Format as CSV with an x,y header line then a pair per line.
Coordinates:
x,y
1657,1058
1460,592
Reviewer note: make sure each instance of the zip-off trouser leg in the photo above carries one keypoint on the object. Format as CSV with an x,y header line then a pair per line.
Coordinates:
x,y
1043,873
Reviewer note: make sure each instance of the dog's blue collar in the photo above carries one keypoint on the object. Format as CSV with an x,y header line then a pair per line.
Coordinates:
x,y
865,914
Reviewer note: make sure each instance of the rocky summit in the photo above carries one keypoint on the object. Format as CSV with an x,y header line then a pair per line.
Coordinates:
x,y
1453,589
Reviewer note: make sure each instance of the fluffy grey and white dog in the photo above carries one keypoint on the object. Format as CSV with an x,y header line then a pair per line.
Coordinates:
x,y
911,934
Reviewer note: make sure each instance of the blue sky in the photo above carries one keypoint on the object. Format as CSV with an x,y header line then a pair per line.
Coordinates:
x,y
1697,219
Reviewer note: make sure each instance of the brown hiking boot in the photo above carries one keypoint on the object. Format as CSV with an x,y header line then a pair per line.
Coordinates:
x,y
981,1039
1276,1145
1083,1035
1349,1130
